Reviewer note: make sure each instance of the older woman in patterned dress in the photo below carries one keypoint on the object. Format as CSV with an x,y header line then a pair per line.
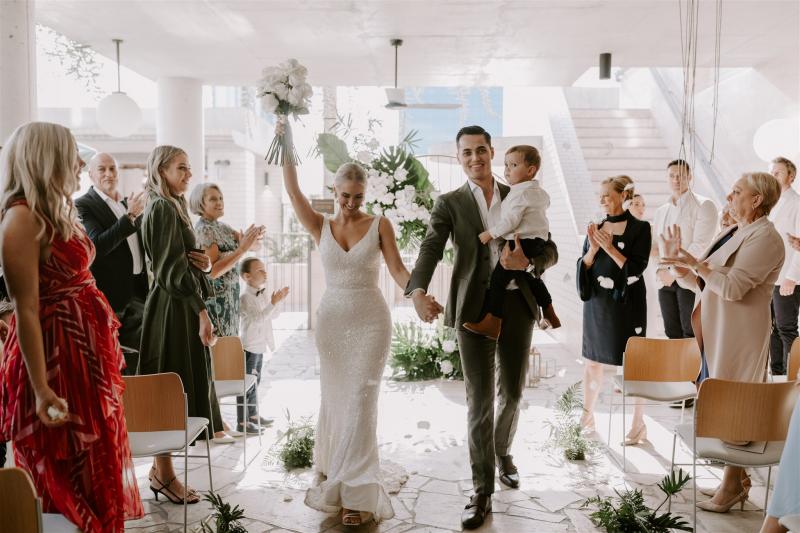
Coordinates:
x,y
225,246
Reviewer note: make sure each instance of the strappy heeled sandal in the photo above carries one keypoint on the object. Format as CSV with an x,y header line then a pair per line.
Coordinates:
x,y
191,495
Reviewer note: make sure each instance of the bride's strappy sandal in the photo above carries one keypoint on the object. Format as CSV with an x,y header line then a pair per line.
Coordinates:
x,y
351,518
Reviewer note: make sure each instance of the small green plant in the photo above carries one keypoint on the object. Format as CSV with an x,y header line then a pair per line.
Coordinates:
x,y
565,431
628,511
295,448
418,353
226,518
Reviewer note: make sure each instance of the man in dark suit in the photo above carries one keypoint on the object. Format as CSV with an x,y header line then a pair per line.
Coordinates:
x,y
119,266
461,215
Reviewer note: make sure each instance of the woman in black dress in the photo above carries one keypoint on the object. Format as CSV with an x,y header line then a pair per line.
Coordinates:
x,y
611,285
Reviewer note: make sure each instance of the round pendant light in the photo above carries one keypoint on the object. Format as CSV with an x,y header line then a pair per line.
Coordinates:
x,y
118,114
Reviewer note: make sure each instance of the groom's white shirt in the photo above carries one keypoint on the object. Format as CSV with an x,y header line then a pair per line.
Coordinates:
x,y
491,215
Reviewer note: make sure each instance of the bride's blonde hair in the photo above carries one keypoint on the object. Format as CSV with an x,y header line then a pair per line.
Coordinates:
x,y
159,159
37,163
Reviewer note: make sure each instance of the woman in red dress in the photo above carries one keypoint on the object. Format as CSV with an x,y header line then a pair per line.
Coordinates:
x,y
60,383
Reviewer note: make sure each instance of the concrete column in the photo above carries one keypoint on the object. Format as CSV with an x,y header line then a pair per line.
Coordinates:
x,y
179,119
17,65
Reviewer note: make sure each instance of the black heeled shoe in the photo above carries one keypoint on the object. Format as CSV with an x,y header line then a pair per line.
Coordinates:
x,y
191,496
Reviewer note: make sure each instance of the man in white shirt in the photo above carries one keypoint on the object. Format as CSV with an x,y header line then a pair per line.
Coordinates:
x,y
113,224
786,294
697,218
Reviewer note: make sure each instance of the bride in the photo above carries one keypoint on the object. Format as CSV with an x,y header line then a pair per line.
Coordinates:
x,y
353,334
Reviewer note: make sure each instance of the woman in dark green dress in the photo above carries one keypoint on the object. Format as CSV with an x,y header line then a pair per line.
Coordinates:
x,y
176,330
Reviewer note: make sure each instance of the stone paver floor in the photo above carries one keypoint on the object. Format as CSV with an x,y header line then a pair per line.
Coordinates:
x,y
422,426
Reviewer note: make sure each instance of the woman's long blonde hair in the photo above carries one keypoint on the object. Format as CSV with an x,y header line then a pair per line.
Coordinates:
x,y
159,159
37,163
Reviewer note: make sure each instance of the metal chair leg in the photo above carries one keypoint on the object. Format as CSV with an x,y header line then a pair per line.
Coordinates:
x,y
185,476
766,490
610,413
208,459
694,480
244,396
258,414
624,448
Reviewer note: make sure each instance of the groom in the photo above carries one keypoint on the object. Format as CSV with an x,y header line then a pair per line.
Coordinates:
x,y
461,215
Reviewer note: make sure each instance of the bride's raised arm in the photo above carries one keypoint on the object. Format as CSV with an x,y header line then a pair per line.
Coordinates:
x,y
391,255
308,217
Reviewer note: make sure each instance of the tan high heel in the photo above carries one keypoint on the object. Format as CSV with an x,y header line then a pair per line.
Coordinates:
x,y
710,506
632,439
746,484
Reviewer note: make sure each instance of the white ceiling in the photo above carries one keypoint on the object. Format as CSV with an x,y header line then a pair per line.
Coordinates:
x,y
447,42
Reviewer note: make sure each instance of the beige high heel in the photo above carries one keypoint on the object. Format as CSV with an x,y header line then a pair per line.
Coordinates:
x,y
633,439
712,507
587,422
746,484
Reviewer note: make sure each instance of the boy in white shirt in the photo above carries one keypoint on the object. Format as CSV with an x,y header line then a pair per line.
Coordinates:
x,y
255,308
523,214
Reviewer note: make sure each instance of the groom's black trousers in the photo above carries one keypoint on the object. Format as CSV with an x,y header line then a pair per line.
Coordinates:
x,y
484,360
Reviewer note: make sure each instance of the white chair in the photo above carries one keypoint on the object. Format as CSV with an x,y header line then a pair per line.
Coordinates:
x,y
156,414
231,380
659,370
730,411
21,508
792,523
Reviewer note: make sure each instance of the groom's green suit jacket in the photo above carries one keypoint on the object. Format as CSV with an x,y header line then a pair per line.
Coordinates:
x,y
456,215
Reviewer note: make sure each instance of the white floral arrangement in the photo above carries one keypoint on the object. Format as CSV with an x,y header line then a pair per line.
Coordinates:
x,y
397,184
283,90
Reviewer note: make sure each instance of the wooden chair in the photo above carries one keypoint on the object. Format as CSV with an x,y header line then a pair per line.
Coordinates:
x,y
730,411
231,380
659,370
156,414
793,364
21,508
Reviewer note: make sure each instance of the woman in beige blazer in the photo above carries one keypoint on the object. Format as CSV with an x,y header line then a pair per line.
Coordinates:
x,y
731,319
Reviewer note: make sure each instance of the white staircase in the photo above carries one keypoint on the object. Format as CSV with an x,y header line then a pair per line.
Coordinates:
x,y
624,141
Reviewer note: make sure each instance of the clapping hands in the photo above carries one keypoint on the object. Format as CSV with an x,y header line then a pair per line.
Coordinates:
x,y
598,238
675,256
136,202
250,239
279,295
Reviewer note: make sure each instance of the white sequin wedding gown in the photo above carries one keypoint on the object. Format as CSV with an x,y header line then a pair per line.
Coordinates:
x,y
354,329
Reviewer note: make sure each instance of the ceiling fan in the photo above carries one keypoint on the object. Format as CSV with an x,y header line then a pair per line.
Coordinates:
x,y
396,96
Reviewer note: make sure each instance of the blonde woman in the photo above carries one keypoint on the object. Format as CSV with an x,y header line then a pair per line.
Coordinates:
x,y
731,319
60,383
176,329
611,285
353,334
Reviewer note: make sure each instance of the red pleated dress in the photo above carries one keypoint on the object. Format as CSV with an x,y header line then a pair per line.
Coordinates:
x,y
82,469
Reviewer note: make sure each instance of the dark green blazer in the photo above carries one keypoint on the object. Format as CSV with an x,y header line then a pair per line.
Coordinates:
x,y
456,216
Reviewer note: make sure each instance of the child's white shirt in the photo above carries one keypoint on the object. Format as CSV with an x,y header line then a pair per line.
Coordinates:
x,y
256,309
522,212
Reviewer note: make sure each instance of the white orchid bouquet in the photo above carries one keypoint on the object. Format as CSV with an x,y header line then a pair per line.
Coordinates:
x,y
397,186
283,90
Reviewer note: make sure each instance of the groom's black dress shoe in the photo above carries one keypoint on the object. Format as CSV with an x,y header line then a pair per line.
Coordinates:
x,y
509,476
476,510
